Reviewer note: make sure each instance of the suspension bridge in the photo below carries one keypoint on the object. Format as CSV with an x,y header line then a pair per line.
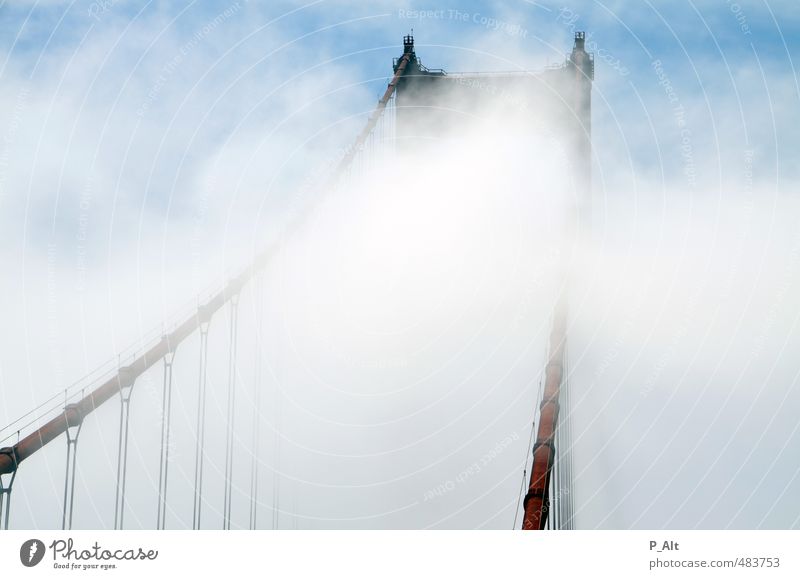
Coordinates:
x,y
417,106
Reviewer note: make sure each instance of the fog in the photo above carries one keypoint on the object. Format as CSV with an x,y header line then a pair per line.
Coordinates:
x,y
398,335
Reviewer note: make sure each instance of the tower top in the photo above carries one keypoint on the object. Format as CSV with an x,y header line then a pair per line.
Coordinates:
x,y
580,58
408,44
580,41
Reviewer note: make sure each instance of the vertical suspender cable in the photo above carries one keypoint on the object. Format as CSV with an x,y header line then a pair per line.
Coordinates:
x,y
561,466
49,431
74,421
276,477
566,447
570,447
199,453
126,381
280,333
166,413
226,513
257,289
5,487
87,404
555,483
561,445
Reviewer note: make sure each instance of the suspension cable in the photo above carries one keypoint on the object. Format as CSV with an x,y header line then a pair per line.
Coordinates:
x,y
141,362
374,117
56,426
527,457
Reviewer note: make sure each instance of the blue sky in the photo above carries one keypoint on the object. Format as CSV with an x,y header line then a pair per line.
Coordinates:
x,y
717,55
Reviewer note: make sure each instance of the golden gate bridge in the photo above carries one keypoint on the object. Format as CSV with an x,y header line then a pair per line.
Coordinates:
x,y
417,103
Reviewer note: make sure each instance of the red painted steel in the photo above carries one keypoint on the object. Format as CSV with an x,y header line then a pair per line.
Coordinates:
x,y
537,500
78,411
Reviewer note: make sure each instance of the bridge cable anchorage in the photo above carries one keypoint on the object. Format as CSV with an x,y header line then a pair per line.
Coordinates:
x,y
166,414
257,289
73,418
125,380
199,455
6,486
231,416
